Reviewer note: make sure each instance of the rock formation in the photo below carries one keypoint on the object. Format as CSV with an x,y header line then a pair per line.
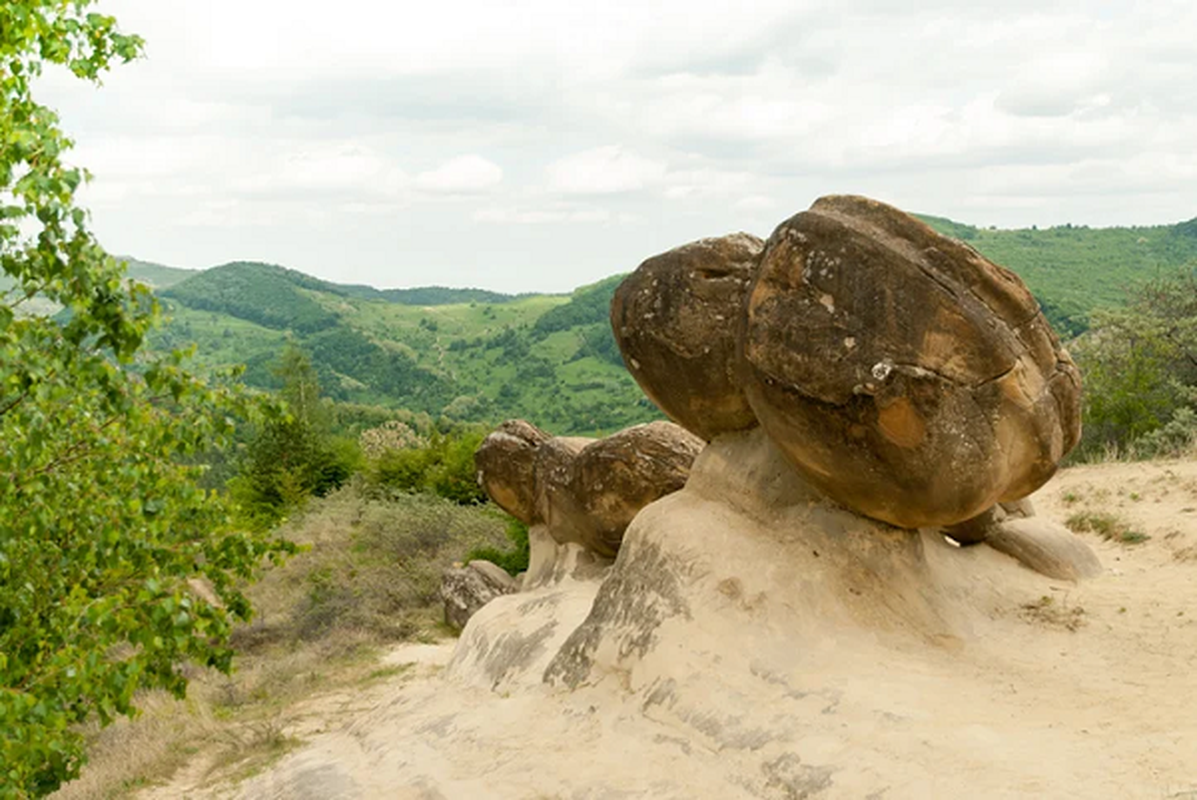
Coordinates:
x,y
506,465
980,527
901,372
615,477
832,603
584,491
466,589
674,319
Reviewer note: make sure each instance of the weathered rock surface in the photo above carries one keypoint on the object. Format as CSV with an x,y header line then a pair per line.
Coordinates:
x,y
466,589
617,476
584,491
506,465
675,319
1046,547
901,372
977,529
556,506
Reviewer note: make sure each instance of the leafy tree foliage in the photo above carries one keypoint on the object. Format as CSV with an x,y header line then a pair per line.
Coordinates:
x,y
292,456
443,466
1140,368
104,531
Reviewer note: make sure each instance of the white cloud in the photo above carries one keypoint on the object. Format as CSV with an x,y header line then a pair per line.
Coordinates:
x,y
466,174
541,216
322,169
756,202
603,170
320,139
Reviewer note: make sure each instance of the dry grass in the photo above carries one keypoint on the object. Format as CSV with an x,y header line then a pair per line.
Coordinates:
x,y
1046,611
1108,526
369,577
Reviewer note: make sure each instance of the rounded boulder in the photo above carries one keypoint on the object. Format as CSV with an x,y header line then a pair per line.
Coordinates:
x,y
617,476
506,467
675,321
901,372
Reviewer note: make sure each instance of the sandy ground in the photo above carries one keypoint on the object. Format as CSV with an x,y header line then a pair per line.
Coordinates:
x,y
1083,690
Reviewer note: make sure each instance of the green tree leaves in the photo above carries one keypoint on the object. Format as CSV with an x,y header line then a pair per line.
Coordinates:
x,y
116,568
1140,368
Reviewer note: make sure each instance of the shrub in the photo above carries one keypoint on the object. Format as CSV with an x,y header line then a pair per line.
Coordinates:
x,y
444,467
514,558
373,567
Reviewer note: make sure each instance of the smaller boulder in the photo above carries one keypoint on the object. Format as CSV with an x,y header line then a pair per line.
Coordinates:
x,y
978,529
1046,547
466,589
617,476
506,467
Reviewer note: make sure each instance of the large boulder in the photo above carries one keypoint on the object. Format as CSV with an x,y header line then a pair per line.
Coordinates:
x,y
902,373
675,319
506,466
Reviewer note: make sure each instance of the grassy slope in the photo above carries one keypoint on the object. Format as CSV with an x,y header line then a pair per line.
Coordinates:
x,y
159,276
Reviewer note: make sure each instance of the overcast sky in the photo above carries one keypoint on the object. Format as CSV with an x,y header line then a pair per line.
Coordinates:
x,y
542,145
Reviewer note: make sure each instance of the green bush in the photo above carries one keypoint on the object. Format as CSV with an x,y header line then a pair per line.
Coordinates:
x,y
1177,438
444,467
1139,366
292,456
514,559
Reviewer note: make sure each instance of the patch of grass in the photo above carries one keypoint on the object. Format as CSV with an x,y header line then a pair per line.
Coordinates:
x,y
1108,526
383,673
250,749
372,570
1047,611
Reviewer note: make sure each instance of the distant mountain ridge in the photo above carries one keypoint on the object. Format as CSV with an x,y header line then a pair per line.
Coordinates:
x,y
466,353
219,279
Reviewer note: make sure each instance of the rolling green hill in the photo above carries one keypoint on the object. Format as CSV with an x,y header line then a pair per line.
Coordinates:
x,y
547,357
470,354
1074,269
159,276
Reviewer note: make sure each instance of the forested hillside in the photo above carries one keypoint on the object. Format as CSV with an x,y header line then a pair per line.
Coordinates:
x,y
477,355
467,354
1073,269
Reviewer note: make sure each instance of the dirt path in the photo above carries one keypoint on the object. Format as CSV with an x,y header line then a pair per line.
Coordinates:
x,y
398,670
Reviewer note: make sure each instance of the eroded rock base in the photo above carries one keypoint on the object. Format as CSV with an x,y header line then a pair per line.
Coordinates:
x,y
751,640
